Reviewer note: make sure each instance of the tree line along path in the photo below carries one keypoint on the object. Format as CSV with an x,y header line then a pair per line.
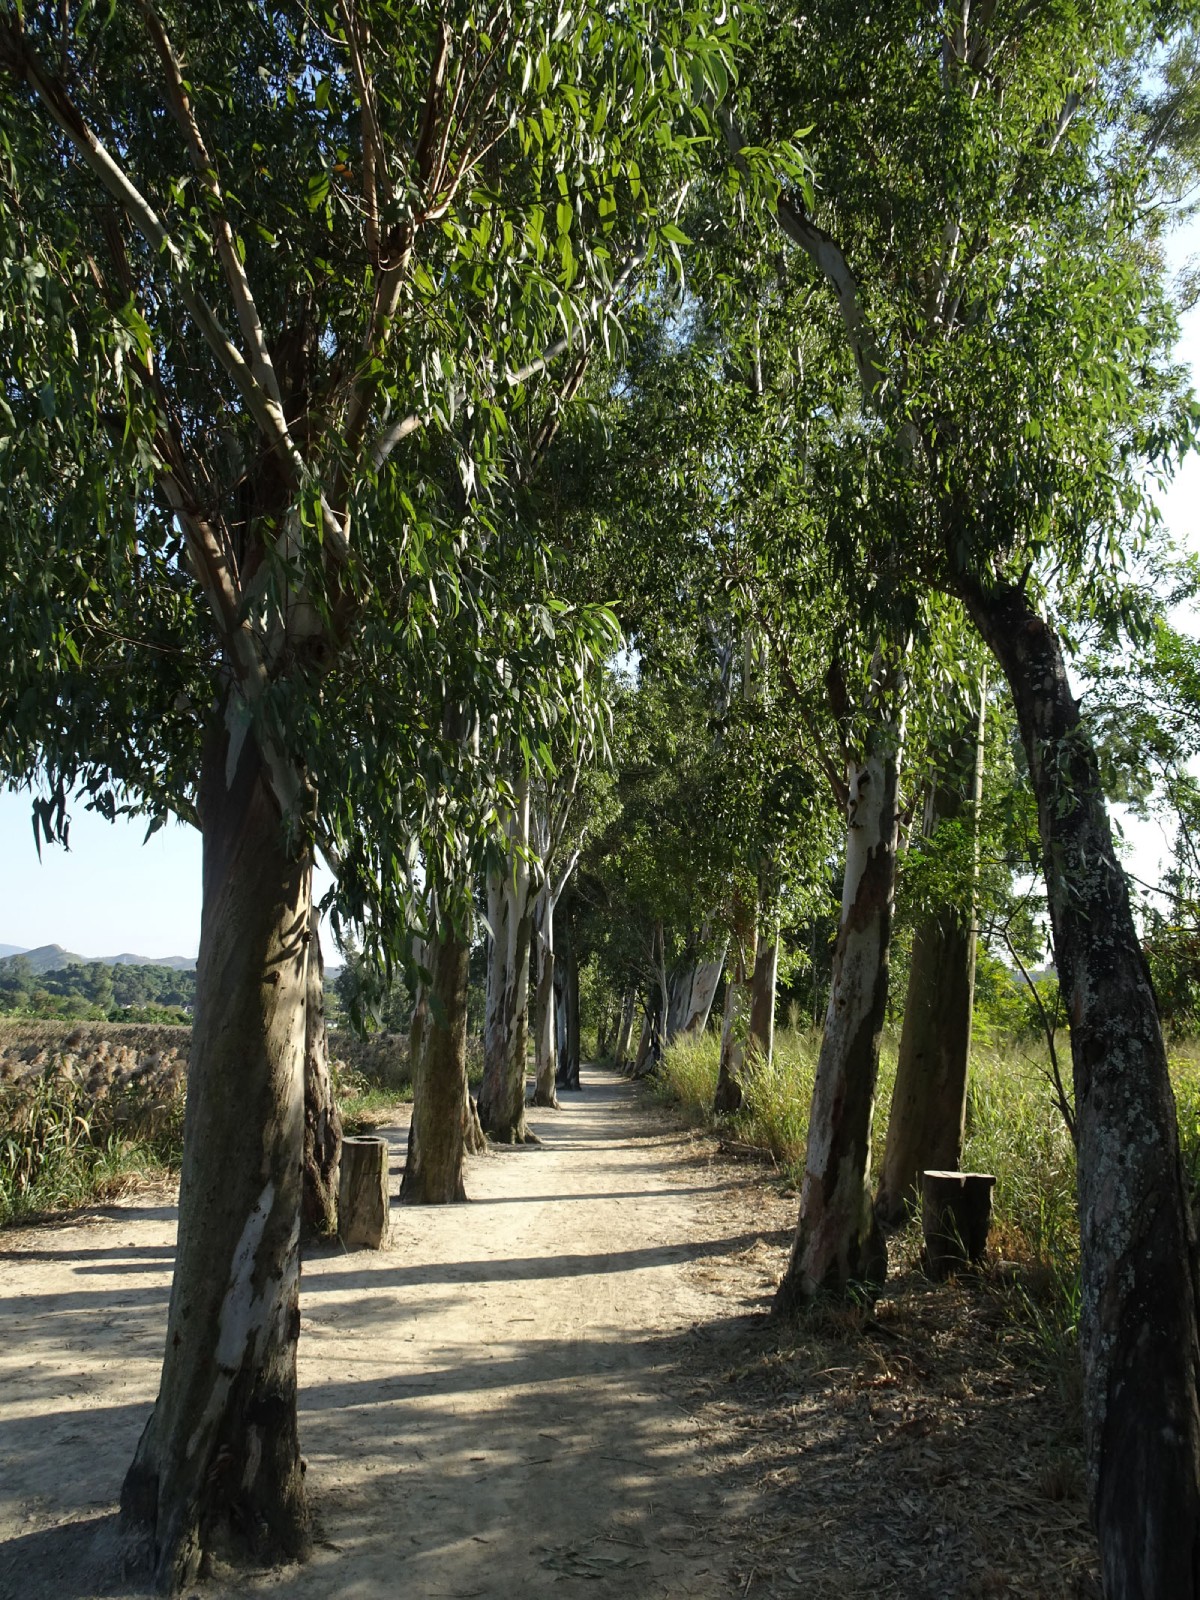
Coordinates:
x,y
567,1386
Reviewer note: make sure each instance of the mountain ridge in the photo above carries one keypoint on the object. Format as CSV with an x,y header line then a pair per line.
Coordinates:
x,y
52,957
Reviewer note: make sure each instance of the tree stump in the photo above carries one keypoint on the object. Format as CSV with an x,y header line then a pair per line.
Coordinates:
x,y
363,1194
956,1213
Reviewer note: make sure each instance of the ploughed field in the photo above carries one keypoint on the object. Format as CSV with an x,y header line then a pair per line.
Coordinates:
x,y
567,1386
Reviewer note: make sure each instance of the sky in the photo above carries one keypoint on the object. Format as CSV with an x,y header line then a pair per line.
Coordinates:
x,y
112,893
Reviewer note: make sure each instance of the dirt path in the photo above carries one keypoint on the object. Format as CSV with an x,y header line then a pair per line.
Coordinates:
x,y
493,1406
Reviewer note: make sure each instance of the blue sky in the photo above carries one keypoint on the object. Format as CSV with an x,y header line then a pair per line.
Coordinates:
x,y
111,893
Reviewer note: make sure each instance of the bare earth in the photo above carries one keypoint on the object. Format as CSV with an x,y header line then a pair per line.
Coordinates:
x,y
565,1387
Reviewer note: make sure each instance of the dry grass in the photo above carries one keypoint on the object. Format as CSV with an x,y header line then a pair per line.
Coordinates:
x,y
921,1447
1014,1129
88,1110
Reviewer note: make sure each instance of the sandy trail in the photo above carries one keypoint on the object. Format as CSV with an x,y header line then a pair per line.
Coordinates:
x,y
488,1407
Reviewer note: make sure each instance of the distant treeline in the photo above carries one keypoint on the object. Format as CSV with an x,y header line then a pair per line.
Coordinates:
x,y
93,989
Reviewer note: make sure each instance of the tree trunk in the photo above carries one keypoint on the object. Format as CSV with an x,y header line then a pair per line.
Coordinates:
x,y
929,1099
838,1242
569,1066
734,1024
706,975
217,1469
625,1028
433,1172
761,1041
644,1062
1140,1310
322,1120
506,1031
545,1021
693,985
474,1138
602,1027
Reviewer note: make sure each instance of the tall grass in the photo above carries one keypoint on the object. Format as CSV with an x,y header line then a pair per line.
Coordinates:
x,y
61,1147
773,1116
1014,1130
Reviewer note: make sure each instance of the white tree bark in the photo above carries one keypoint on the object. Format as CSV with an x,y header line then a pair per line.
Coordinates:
x,y
506,1028
838,1241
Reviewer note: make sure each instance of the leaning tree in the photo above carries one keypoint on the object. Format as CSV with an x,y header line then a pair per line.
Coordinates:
x,y
983,229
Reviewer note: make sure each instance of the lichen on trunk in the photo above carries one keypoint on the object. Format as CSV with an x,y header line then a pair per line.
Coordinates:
x,y
1140,1305
838,1243
322,1120
217,1469
433,1172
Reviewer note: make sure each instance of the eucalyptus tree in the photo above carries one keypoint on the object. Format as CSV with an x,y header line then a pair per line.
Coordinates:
x,y
927,1117
261,268
514,867
550,654
786,492
569,806
978,218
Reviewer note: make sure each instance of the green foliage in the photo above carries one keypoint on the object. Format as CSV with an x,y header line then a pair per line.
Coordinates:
x,y
774,1115
1004,1006
287,331
95,991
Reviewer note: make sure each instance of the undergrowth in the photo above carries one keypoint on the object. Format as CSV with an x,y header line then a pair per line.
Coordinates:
x,y
365,1104
60,1147
1014,1130
63,1145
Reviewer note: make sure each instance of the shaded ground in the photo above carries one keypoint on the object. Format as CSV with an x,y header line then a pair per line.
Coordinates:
x,y
565,1387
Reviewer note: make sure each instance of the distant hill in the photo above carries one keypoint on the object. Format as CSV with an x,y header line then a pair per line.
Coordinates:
x,y
49,958
52,958
178,963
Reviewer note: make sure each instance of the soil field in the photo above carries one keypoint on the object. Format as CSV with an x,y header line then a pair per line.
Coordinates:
x,y
566,1387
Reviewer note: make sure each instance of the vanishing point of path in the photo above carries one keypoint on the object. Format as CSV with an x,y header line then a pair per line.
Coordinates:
x,y
488,1407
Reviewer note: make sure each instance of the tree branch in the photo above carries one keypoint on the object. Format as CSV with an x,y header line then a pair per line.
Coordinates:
x,y
180,103
374,154
399,431
829,259
264,408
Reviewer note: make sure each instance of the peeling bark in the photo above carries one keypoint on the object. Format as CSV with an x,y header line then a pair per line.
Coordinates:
x,y
1140,1312
506,1031
322,1120
838,1242
693,986
734,1023
929,1099
217,1469
433,1171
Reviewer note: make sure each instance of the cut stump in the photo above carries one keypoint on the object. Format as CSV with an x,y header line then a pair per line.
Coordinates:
x,y
363,1194
956,1214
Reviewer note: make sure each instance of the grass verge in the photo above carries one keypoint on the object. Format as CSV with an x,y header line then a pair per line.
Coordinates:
x,y
1014,1130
